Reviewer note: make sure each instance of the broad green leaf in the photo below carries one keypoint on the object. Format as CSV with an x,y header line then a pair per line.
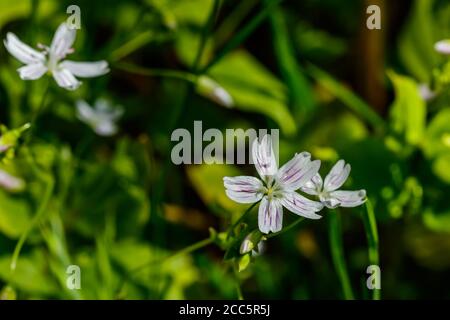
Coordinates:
x,y
441,167
437,136
408,112
253,88
207,180
14,215
31,275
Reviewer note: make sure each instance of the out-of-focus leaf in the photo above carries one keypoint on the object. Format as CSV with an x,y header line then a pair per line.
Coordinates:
x,y
408,112
346,96
300,91
11,10
416,46
437,136
441,167
31,275
254,88
8,293
207,180
14,215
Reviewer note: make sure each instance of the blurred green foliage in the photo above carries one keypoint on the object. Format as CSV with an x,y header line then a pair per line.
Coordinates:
x,y
120,210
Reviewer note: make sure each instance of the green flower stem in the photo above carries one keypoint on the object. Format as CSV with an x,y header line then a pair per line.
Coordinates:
x,y
38,111
50,184
337,254
132,45
175,74
239,294
241,218
289,227
370,226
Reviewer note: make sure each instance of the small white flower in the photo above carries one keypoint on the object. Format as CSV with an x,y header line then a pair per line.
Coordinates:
x,y
102,118
277,187
443,46
327,191
10,182
37,63
425,92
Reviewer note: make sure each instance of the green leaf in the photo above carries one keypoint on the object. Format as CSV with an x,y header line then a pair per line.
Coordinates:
x,y
416,45
408,111
346,96
441,167
14,215
253,88
437,136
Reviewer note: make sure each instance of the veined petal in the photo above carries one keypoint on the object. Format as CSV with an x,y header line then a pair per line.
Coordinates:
x,y
349,198
243,189
337,176
66,79
264,157
313,186
270,215
301,205
62,41
22,51
86,69
297,171
32,71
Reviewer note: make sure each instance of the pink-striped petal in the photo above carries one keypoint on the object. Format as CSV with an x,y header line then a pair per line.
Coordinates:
x,y
301,205
297,172
337,176
264,157
243,189
270,215
349,199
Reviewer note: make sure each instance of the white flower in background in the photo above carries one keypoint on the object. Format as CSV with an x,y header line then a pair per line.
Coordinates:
x,y
214,91
425,92
50,59
327,190
102,118
277,187
10,183
443,46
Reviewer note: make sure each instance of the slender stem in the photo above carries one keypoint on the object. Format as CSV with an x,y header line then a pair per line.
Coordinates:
x,y
240,296
176,74
289,227
38,111
241,218
40,211
370,226
337,253
193,247
242,35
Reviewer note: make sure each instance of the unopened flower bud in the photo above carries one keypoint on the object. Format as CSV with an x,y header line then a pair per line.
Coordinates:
x,y
212,90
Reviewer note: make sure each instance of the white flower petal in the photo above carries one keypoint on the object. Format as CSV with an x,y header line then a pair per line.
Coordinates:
x,y
21,51
243,189
66,79
301,205
84,111
297,171
443,46
62,41
270,215
32,71
337,176
86,69
425,92
313,186
106,128
264,157
10,182
349,198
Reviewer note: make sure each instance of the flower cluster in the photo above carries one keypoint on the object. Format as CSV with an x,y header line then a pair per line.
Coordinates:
x,y
277,187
